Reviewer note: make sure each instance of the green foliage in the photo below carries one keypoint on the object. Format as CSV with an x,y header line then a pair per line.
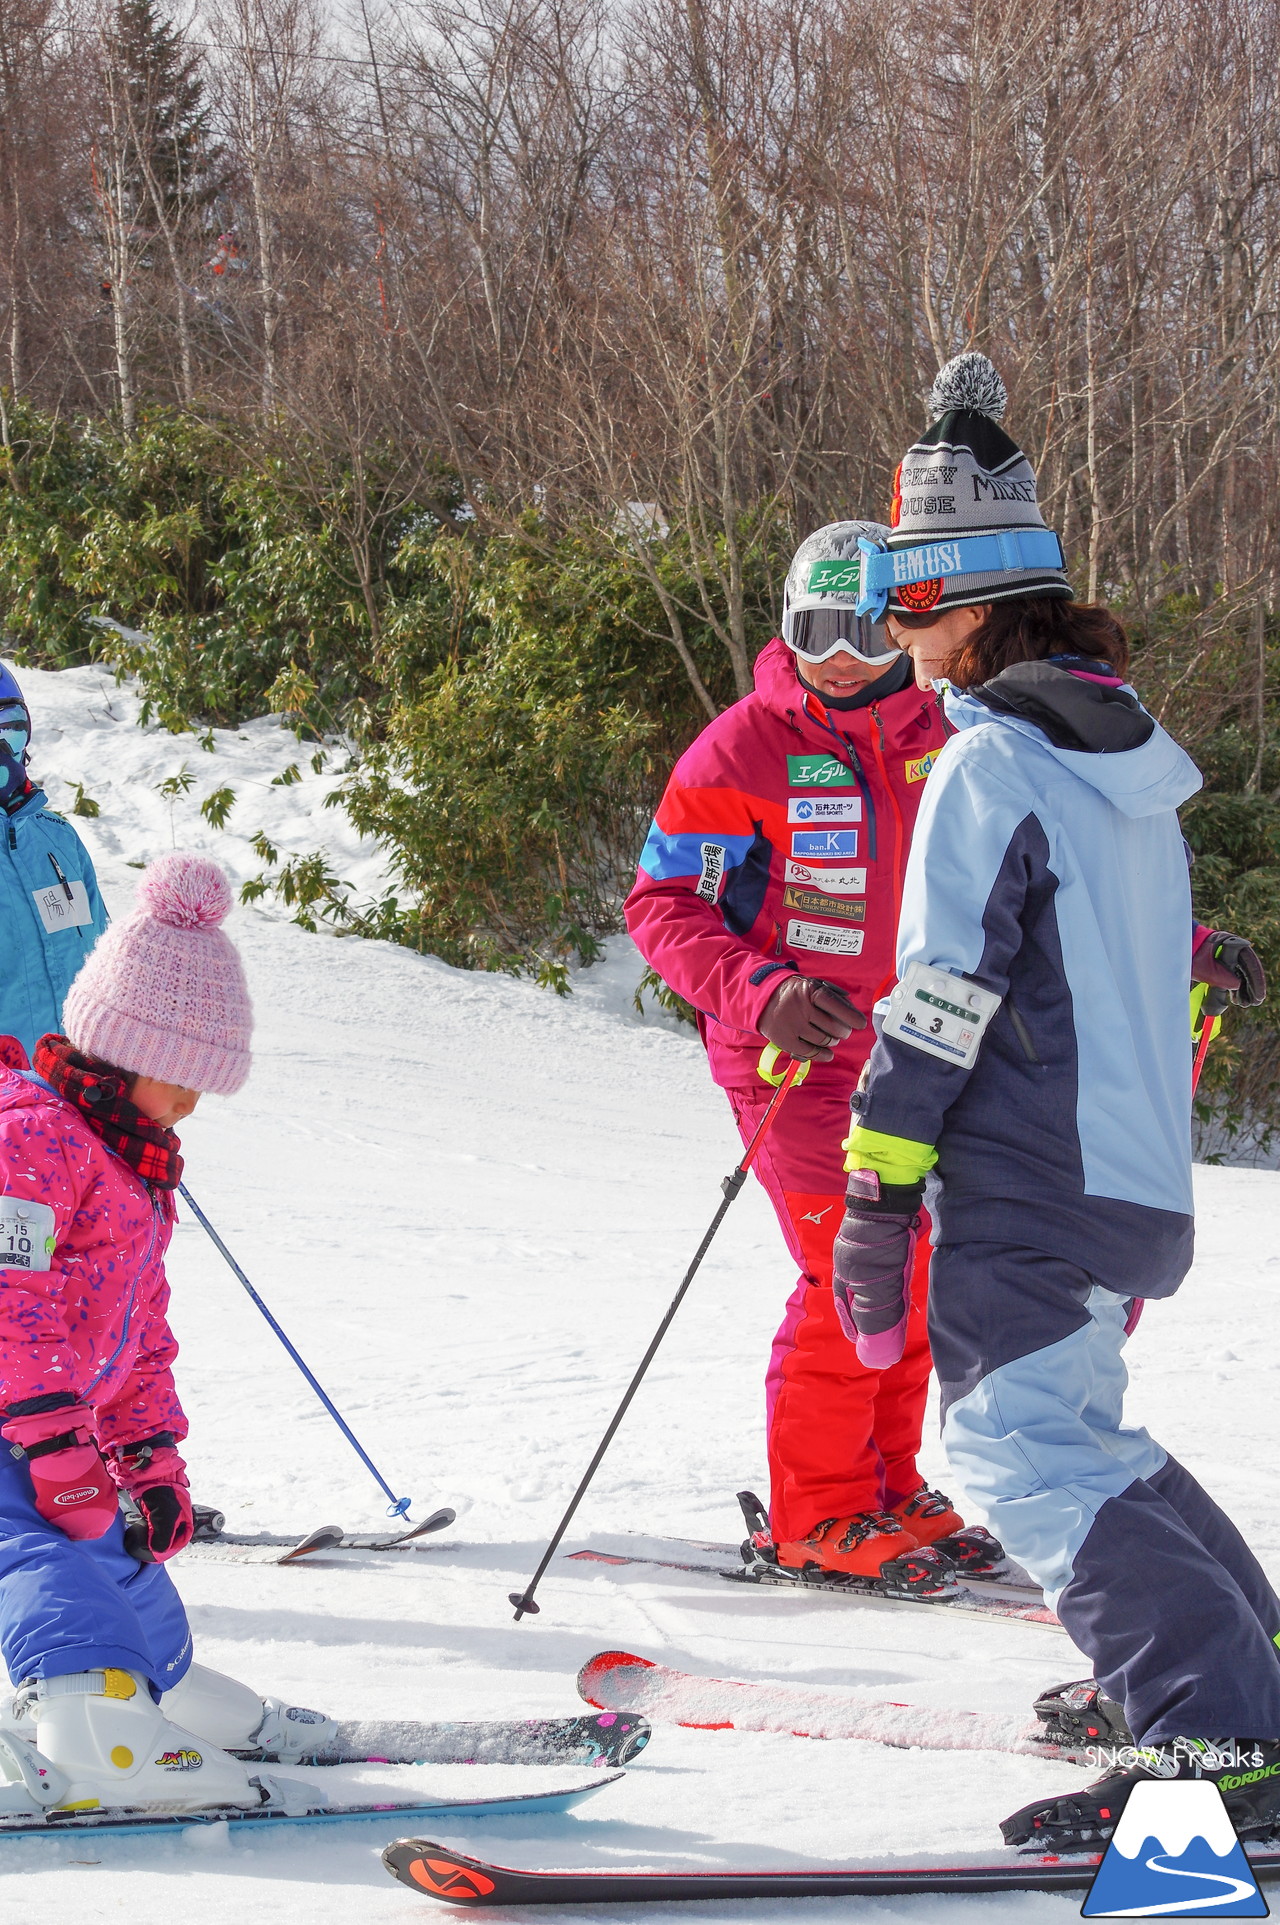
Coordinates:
x,y
513,791
651,984
175,785
217,806
1234,833
225,578
166,103
84,804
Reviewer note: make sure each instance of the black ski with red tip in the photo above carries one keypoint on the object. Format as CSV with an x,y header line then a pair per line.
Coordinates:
x,y
437,1871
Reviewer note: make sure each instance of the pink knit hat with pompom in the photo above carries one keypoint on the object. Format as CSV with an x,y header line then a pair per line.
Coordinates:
x,y
162,993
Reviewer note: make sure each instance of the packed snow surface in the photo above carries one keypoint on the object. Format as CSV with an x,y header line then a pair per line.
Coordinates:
x,y
469,1203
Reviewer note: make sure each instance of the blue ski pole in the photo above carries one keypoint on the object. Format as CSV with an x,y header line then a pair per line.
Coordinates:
x,y
399,1506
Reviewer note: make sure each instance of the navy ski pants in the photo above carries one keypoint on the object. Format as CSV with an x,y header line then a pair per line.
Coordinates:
x,y
67,1606
1150,1578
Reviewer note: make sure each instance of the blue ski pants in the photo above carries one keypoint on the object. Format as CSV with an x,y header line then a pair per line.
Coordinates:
x,y
1150,1578
68,1606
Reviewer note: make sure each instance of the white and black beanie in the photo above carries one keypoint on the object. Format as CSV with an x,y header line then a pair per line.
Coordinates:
x,y
964,476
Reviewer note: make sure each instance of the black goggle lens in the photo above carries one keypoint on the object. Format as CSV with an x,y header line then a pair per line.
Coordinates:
x,y
817,632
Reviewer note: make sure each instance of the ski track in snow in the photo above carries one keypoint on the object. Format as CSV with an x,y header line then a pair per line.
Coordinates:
x,y
469,1203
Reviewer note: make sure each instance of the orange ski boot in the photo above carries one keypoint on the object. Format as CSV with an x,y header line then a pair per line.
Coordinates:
x,y
971,1549
856,1546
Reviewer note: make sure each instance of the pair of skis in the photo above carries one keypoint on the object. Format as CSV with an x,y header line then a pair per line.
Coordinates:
x,y
211,1539
438,1871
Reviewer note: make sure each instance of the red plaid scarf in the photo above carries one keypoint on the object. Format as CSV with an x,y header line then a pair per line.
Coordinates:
x,y
101,1094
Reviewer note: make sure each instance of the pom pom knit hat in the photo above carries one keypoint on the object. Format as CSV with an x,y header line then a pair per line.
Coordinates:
x,y
963,480
162,993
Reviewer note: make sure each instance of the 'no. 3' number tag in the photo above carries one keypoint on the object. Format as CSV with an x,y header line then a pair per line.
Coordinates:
x,y
28,1233
939,1013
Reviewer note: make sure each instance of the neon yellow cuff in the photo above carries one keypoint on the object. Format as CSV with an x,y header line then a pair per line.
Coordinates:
x,y
894,1158
1198,993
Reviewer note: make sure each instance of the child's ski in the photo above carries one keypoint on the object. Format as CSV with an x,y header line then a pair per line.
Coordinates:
x,y
437,1871
617,1679
611,1738
211,1540
524,1804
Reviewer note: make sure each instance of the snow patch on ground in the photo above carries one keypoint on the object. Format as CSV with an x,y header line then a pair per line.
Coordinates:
x,y
469,1202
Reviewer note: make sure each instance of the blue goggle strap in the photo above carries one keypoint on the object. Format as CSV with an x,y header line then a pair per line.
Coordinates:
x,y
1013,548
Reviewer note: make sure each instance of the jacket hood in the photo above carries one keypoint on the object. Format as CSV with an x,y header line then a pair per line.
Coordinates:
x,y
1092,723
775,676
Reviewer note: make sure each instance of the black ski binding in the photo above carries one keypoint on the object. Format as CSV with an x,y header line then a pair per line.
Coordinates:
x,y
973,1552
1079,1717
209,1524
757,1546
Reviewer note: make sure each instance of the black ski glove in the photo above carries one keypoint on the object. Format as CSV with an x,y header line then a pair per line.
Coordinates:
x,y
1229,962
155,1478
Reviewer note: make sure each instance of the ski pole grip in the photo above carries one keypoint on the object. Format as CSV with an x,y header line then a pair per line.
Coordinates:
x,y
768,1070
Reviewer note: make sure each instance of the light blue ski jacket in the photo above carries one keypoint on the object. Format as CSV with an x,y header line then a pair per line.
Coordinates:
x,y
1057,877
38,964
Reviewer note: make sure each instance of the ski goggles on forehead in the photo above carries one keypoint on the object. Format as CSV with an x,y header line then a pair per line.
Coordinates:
x,y
816,633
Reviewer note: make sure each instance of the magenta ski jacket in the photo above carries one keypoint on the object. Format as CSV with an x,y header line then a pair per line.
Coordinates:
x,y
83,1293
780,844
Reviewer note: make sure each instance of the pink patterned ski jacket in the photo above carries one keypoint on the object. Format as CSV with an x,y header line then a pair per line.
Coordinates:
x,y
83,1293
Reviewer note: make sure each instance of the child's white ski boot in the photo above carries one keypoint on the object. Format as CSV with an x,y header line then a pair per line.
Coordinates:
x,y
113,1745
233,1716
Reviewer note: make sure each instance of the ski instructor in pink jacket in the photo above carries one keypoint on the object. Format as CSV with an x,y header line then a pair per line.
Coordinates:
x,y
767,896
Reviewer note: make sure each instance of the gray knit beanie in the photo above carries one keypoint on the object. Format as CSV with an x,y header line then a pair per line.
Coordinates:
x,y
964,477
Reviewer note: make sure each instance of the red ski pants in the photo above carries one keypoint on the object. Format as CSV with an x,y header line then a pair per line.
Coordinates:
x,y
842,1438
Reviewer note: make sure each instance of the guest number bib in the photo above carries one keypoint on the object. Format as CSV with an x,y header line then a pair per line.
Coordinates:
x,y
27,1234
939,1013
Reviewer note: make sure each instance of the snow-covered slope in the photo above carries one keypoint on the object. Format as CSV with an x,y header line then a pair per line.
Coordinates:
x,y
469,1203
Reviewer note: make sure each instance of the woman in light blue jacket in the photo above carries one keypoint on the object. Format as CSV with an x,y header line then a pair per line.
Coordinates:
x,y
51,910
1033,1063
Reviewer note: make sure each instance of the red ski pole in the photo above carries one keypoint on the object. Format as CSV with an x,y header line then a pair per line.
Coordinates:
x,y
523,1600
1216,1000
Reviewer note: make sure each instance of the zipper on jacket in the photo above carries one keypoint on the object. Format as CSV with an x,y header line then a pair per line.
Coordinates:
x,y
98,1376
1021,1031
899,827
66,886
853,763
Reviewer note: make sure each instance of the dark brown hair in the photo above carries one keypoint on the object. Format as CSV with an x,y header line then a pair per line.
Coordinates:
x,y
1029,627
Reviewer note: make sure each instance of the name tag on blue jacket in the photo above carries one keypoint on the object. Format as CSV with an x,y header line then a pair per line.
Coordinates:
x,y
57,910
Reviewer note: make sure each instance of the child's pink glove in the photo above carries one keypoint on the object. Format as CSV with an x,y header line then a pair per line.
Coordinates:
x,y
70,1484
156,1479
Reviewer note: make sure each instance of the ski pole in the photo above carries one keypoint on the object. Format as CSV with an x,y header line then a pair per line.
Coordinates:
x,y
523,1600
399,1506
1211,1009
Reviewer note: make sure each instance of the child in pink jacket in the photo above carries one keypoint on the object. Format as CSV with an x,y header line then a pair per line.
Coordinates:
x,y
110,1710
